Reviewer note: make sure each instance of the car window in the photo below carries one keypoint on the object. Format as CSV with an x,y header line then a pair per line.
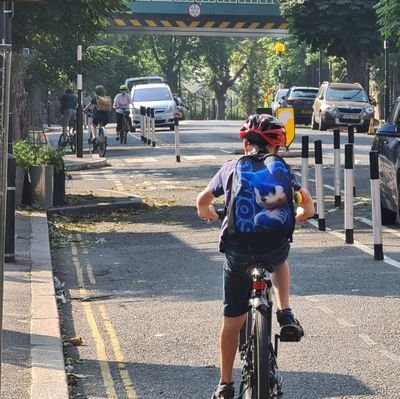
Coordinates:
x,y
152,94
346,95
280,94
304,93
394,116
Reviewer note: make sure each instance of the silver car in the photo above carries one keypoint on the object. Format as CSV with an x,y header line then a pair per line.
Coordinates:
x,y
157,96
278,100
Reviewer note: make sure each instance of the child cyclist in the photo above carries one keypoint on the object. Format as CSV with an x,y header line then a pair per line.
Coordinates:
x,y
261,134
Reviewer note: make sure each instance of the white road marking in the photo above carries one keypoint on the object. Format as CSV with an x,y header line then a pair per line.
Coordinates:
x,y
199,157
367,339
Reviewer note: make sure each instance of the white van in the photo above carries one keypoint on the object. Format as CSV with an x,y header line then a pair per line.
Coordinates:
x,y
157,96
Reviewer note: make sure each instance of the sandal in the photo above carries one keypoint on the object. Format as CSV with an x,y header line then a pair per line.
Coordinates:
x,y
226,390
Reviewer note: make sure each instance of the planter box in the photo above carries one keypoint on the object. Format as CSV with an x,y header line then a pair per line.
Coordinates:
x,y
42,181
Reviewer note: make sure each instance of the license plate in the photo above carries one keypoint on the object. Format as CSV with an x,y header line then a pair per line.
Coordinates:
x,y
351,116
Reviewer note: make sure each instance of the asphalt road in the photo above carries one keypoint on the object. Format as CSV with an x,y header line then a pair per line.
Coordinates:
x,y
151,327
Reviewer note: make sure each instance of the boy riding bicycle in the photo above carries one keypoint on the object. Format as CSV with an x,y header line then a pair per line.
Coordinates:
x,y
261,134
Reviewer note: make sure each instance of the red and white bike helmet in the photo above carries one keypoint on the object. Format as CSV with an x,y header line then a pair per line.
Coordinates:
x,y
263,129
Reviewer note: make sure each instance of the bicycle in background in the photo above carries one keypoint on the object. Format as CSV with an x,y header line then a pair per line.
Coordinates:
x,y
70,140
123,133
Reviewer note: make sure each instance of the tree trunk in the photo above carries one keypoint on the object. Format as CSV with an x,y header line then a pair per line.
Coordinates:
x,y
18,99
357,68
221,107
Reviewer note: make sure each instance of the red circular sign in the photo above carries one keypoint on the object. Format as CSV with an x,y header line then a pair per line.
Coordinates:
x,y
195,10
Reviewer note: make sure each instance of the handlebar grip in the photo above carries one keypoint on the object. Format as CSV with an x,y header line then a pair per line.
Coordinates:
x,y
221,213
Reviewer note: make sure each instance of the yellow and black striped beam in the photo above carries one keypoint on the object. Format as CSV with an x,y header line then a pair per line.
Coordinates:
x,y
205,26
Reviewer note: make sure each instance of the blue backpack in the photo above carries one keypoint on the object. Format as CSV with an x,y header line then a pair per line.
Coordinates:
x,y
261,205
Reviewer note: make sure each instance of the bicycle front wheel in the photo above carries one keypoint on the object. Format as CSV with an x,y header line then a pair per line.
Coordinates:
x,y
262,361
255,351
102,142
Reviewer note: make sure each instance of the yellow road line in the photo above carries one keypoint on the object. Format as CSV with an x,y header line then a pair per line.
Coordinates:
x,y
89,267
100,346
119,357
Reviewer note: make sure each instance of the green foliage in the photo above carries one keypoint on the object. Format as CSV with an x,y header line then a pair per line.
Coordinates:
x,y
389,18
344,28
28,154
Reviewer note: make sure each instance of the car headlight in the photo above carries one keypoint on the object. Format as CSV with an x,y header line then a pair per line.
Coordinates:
x,y
369,110
331,110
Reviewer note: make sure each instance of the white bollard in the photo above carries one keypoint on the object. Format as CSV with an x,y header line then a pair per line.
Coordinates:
x,y
177,142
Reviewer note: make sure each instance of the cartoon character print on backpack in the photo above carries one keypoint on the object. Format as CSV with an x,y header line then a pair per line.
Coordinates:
x,y
261,202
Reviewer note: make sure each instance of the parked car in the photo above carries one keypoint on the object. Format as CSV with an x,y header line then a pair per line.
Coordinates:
x,y
387,143
157,96
342,104
143,80
277,103
302,100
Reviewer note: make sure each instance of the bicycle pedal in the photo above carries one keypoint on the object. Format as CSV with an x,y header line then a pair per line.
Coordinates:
x,y
290,337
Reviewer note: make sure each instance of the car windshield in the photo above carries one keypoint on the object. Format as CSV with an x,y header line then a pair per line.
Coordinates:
x,y
152,94
304,93
346,95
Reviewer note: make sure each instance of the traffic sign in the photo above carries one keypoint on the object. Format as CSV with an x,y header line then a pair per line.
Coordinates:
x,y
280,48
195,10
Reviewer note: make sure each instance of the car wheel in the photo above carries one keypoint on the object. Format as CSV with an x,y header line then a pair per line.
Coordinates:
x,y
314,125
322,124
364,128
388,216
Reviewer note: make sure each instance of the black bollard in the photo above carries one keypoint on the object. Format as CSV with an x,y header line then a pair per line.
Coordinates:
x,y
336,162
9,247
319,185
142,122
376,205
148,124
348,193
304,162
177,140
153,128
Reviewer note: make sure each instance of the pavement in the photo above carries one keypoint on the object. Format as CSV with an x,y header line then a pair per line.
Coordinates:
x,y
32,347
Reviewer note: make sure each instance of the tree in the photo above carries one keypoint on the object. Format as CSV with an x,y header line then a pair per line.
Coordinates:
x,y
225,59
345,28
389,17
52,29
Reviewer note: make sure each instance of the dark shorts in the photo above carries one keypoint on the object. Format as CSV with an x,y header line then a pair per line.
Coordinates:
x,y
100,117
236,280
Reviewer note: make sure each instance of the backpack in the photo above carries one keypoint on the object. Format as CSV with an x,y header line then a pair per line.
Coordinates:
x,y
104,103
261,205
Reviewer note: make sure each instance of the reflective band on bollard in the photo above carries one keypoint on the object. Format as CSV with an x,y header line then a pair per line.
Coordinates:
x,y
376,205
304,162
177,143
319,185
336,162
348,193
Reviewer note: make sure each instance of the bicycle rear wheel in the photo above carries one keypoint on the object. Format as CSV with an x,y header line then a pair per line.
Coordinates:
x,y
125,129
101,142
72,142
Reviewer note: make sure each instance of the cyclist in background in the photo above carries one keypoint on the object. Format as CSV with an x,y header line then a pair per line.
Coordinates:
x,y
261,134
99,116
121,103
68,102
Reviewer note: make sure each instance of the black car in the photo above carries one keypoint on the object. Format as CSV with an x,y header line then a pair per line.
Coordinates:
x,y
387,143
302,100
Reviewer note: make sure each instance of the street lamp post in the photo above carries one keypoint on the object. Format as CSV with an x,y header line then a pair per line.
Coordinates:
x,y
79,109
387,103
